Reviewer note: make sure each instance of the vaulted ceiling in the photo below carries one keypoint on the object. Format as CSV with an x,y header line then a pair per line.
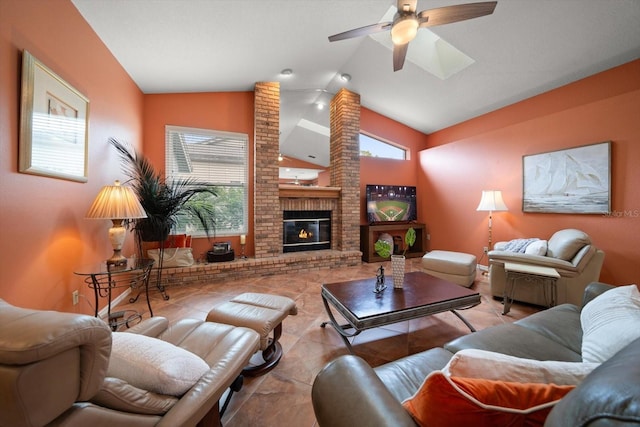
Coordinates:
x,y
524,48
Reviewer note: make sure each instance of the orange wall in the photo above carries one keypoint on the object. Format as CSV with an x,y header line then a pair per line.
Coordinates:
x,y
44,233
388,171
486,153
225,111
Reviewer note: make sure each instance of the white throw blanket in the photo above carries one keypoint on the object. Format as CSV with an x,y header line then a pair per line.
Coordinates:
x,y
519,245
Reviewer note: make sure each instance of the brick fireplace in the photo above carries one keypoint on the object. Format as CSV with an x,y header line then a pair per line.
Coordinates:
x,y
342,198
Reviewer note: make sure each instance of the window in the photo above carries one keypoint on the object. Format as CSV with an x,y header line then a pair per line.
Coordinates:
x,y
217,158
374,147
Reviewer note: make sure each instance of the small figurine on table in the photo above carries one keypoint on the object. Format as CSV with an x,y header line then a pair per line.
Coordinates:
x,y
380,286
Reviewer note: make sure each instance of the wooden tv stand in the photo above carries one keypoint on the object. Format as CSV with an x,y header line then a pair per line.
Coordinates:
x,y
369,236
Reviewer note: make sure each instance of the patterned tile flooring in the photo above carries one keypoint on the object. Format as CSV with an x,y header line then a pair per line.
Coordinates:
x,y
283,396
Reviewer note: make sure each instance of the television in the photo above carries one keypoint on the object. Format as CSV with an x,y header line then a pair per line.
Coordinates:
x,y
391,203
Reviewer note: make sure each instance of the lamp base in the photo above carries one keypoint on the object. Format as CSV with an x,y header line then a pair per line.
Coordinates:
x,y
117,260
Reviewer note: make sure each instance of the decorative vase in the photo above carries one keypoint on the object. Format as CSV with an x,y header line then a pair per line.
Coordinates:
x,y
397,269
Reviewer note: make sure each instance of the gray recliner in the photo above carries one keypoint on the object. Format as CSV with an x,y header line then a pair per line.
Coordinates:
x,y
569,251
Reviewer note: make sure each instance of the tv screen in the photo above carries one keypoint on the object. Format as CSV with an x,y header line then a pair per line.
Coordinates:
x,y
391,203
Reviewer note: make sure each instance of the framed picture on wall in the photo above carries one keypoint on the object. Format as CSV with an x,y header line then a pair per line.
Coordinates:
x,y
54,124
575,180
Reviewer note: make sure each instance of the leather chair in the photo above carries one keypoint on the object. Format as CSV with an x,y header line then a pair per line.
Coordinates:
x,y
569,251
53,368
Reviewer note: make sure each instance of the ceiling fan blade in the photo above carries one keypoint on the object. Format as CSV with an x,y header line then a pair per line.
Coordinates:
x,y
450,14
407,5
399,54
362,31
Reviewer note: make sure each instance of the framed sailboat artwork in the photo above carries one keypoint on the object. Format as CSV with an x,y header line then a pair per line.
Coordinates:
x,y
573,181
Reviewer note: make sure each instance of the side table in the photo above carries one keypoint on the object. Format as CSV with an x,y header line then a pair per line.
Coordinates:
x,y
544,276
103,279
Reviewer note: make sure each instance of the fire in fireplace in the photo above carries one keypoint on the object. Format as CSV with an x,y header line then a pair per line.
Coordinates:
x,y
306,231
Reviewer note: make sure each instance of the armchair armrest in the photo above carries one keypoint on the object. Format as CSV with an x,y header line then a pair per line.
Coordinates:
x,y
151,327
544,261
347,392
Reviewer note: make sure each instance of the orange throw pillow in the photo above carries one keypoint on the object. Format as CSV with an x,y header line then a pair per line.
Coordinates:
x,y
455,401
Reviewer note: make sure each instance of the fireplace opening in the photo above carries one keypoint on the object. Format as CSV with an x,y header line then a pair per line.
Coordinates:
x,y
306,231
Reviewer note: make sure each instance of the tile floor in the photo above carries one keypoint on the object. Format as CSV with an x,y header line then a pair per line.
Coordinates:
x,y
283,396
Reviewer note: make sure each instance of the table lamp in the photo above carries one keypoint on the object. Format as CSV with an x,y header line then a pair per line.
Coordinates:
x,y
117,203
491,201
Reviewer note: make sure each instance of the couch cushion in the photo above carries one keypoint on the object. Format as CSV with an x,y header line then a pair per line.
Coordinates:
x,y
489,365
565,244
404,376
152,364
455,401
516,341
560,324
119,395
607,397
610,322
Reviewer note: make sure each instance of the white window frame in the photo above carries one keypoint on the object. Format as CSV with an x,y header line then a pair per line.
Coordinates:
x,y
229,173
403,149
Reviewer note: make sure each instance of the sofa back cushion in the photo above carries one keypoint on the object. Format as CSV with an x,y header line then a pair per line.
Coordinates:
x,y
565,244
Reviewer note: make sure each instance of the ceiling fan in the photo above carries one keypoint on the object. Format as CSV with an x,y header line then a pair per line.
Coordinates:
x,y
406,23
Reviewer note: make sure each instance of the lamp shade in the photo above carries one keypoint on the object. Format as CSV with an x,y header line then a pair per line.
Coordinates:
x,y
116,202
492,201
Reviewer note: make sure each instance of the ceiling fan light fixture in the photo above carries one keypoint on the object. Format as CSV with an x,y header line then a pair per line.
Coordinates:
x,y
405,29
286,72
345,77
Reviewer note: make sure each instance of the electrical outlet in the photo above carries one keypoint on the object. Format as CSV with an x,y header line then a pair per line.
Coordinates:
x,y
75,295
486,249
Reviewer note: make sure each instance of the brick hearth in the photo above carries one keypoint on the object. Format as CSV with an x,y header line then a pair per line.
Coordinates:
x,y
290,262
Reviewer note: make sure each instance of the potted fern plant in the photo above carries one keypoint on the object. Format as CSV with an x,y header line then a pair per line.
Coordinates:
x,y
384,249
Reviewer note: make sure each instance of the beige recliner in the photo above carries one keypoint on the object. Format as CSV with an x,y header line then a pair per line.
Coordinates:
x,y
53,370
569,251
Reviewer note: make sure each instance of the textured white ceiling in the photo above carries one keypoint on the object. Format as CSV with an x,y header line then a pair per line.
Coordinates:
x,y
524,48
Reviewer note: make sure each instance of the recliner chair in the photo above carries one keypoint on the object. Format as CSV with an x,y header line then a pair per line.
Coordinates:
x,y
53,370
569,251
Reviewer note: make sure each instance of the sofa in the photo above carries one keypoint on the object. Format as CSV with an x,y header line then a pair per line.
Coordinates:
x,y
348,392
569,251
65,369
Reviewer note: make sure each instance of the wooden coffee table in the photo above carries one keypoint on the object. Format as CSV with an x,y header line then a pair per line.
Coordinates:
x,y
421,295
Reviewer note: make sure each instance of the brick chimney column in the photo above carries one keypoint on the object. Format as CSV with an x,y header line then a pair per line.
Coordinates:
x,y
345,166
267,213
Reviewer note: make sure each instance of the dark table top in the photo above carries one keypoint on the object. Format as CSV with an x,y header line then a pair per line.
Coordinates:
x,y
419,290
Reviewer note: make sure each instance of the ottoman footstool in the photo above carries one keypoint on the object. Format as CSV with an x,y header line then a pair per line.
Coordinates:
x,y
263,313
456,267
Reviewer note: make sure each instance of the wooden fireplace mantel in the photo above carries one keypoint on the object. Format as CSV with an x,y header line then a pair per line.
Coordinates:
x,y
304,192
